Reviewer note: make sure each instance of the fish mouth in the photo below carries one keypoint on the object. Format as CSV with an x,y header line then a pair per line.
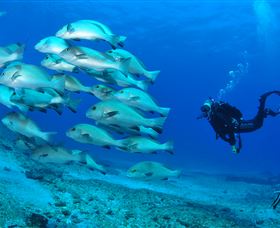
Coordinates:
x,y
37,47
129,175
89,115
59,34
68,134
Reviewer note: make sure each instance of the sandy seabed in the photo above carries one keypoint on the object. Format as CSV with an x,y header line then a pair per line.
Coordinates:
x,y
41,195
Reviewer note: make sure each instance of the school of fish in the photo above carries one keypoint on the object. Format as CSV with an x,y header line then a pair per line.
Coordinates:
x,y
125,106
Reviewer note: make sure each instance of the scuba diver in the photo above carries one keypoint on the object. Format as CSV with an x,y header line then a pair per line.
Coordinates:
x,y
228,123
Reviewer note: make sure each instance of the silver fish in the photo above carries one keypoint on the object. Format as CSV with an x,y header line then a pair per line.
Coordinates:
x,y
54,62
84,57
90,30
119,78
139,144
85,133
22,75
52,45
113,112
140,99
136,66
61,155
43,99
149,170
21,124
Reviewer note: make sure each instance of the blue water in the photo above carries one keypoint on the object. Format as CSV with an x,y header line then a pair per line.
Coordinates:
x,y
194,44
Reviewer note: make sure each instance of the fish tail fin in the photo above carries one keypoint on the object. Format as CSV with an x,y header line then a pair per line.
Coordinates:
x,y
59,84
92,164
117,41
164,111
123,65
57,100
149,131
157,124
169,147
47,135
86,89
17,48
20,50
143,85
152,75
176,173
58,108
73,104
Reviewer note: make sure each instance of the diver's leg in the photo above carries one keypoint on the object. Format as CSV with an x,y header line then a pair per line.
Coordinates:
x,y
249,126
257,122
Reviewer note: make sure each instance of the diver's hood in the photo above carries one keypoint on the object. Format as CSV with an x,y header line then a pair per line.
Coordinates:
x,y
206,107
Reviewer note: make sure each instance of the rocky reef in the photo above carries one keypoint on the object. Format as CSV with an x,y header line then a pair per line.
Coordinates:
x,y
48,195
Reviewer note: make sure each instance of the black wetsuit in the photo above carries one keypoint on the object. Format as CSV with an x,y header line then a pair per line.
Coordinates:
x,y
228,123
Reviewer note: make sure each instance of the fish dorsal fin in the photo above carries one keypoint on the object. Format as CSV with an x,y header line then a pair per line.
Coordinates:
x,y
97,25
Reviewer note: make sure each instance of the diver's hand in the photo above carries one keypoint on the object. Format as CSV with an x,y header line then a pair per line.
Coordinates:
x,y
235,149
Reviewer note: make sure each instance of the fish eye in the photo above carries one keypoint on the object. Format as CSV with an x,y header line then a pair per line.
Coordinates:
x,y
133,171
97,86
94,108
110,51
121,91
14,93
73,129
